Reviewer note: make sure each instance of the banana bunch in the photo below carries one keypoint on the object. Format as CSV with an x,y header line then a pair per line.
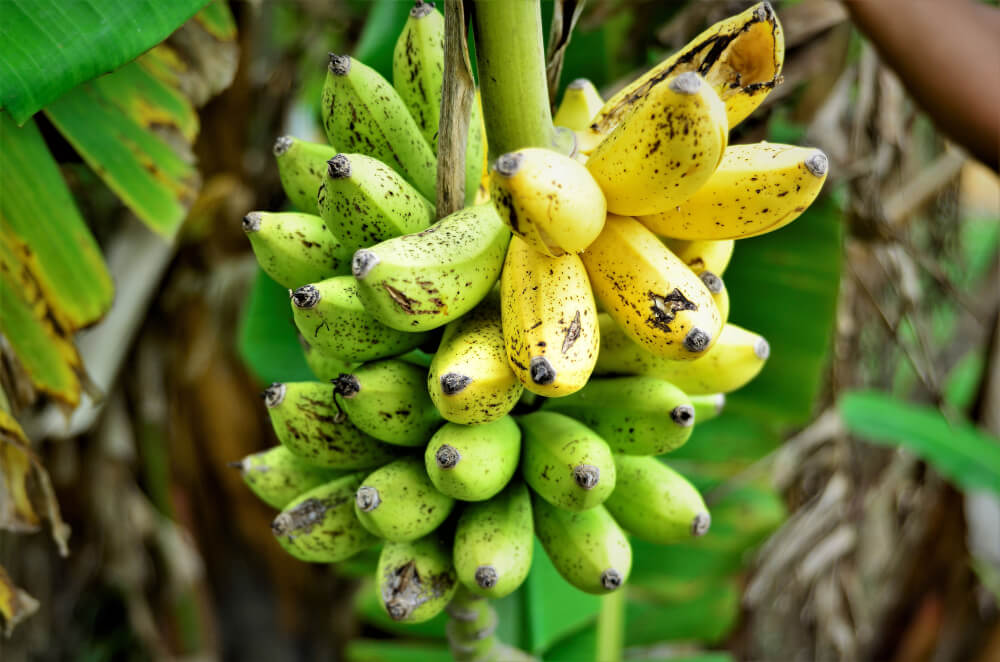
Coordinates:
x,y
576,321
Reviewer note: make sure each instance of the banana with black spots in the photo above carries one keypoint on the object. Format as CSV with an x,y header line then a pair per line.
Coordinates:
x,y
655,503
389,400
549,320
587,548
421,281
277,475
635,415
295,248
564,461
301,166
330,316
415,580
398,502
473,462
320,526
362,113
494,542
306,422
322,365
703,254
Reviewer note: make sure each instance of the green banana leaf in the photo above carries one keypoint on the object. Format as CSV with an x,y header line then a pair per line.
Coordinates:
x,y
367,650
268,340
47,47
963,454
384,22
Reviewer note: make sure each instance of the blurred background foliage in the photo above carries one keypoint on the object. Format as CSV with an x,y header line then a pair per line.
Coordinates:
x,y
853,485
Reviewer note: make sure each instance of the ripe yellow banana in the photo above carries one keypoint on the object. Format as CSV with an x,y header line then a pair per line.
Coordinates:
x,y
756,189
703,254
664,149
658,301
549,320
720,295
398,502
470,380
734,360
415,580
740,57
547,199
580,103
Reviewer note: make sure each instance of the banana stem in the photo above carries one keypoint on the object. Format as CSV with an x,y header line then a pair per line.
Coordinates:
x,y
471,626
611,627
511,59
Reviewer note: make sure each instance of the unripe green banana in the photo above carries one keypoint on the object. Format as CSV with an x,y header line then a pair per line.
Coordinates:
x,y
320,525
565,462
277,476
494,542
306,422
416,580
323,366
703,254
707,407
422,281
364,202
398,502
634,415
470,380
580,103
473,462
295,248
301,166
389,400
655,503
417,74
587,548
362,113
331,317
736,358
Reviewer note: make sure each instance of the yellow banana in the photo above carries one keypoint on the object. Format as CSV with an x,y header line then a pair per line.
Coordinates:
x,y
580,103
664,150
659,302
740,57
720,295
470,380
547,199
756,189
703,255
549,320
736,358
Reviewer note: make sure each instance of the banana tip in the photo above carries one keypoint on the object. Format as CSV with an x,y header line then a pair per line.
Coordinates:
x,y
682,415
697,340
339,167
586,476
397,611
363,262
578,84
712,282
486,576
453,383
542,372
251,222
282,145
305,297
339,65
421,9
700,524
686,83
611,579
508,164
762,349
720,402
447,457
274,395
818,164
281,524
345,385
367,498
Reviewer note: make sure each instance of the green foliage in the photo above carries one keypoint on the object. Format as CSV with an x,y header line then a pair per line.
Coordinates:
x,y
268,340
48,47
963,454
364,650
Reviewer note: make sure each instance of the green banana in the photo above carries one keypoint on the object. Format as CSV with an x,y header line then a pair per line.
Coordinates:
x,y
398,502
389,400
277,475
422,281
494,542
363,113
320,525
364,202
331,317
295,248
416,580
323,366
473,462
655,503
305,420
565,462
301,166
417,74
470,380
587,548
736,358
707,407
634,415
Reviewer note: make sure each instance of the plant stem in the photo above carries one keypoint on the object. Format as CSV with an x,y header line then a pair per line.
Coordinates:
x,y
471,626
611,627
511,58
